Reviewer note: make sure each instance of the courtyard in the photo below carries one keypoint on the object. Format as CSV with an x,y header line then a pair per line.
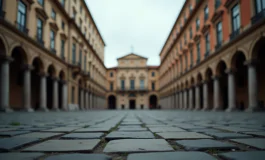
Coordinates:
x,y
132,135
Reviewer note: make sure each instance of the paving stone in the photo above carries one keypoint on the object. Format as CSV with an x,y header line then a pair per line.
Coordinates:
x,y
205,130
79,157
64,146
137,145
237,129
15,142
94,135
131,123
132,129
129,135
20,156
227,135
254,142
256,133
171,156
183,135
90,129
40,135
62,129
165,129
130,126
204,144
6,129
13,133
253,155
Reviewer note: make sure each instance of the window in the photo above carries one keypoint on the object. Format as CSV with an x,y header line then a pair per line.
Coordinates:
x,y
53,15
132,83
85,63
63,3
39,30
74,14
73,53
198,52
190,7
111,74
62,48
111,86
191,58
80,24
123,84
259,6
197,24
206,13
235,18
63,25
41,2
219,33
185,18
207,44
185,39
153,86
191,34
217,3
80,57
142,84
180,45
52,40
1,5
153,74
21,16
73,95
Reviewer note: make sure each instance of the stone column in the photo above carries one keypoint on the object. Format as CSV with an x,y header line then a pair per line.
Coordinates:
x,y
91,100
55,103
190,99
252,88
197,97
216,94
205,96
81,99
87,100
43,92
4,94
27,89
185,99
176,100
231,91
180,100
64,96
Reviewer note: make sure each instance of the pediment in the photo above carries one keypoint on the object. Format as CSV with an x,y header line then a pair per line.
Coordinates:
x,y
131,56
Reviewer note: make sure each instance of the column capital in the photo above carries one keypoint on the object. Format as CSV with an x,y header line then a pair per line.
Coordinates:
x,y
230,70
27,67
43,74
251,62
215,77
63,81
55,79
6,58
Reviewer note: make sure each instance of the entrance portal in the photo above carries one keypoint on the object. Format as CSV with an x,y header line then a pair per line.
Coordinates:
x,y
132,104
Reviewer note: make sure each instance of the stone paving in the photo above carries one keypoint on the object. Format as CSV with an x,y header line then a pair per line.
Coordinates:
x,y
132,135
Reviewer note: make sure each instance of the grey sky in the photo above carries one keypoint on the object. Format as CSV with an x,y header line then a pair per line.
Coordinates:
x,y
143,24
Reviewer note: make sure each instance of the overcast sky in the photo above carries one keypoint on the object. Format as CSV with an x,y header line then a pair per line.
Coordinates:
x,y
143,24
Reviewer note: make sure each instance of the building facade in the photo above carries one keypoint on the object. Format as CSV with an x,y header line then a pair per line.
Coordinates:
x,y
213,57
132,84
52,56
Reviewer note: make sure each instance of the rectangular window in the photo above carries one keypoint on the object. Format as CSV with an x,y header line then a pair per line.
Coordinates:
x,y
185,39
191,34
81,9
39,30
259,5
52,40
63,3
73,95
62,48
153,74
85,63
111,74
132,84
190,8
1,5
198,52
217,3
73,53
207,44
53,15
21,16
219,33
235,18
153,86
63,25
80,58
206,13
41,2
123,84
111,86
141,84
191,58
197,24
180,45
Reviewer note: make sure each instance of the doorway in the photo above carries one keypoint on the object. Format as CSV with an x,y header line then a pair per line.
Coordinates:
x,y
132,104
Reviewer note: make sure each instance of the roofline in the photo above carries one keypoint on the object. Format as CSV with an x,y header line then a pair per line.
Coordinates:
x,y
86,7
130,54
183,6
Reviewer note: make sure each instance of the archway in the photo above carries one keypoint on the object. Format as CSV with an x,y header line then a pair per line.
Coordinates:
x,y
241,80
50,79
153,102
16,78
209,82
259,58
79,94
192,83
223,82
35,83
60,86
112,102
199,83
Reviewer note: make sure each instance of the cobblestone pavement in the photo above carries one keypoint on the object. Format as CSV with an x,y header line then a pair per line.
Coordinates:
x,y
132,135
